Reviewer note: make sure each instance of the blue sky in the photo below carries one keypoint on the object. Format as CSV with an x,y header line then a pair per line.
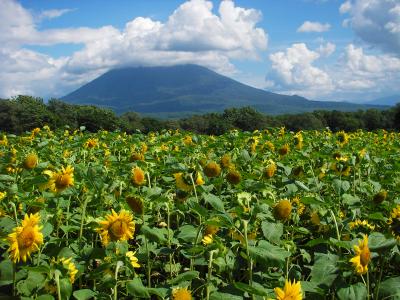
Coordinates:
x,y
320,49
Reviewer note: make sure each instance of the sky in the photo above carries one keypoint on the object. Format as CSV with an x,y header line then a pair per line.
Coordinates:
x,y
340,50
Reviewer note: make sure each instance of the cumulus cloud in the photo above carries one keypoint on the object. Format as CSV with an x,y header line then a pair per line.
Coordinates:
x,y
192,34
295,71
376,22
308,26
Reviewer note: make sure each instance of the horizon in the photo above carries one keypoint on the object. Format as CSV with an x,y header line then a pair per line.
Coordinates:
x,y
332,50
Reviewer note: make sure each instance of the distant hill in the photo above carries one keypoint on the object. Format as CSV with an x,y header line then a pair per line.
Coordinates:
x,y
187,89
390,100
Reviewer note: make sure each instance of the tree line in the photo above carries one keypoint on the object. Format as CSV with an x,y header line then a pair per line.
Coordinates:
x,y
24,113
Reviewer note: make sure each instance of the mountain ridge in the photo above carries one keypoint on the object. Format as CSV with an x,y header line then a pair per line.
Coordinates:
x,y
187,89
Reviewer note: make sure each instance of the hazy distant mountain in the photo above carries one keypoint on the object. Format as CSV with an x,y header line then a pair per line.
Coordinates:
x,y
390,100
186,89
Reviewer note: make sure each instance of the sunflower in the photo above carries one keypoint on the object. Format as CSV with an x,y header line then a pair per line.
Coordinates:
x,y
133,259
270,170
199,179
283,209
135,156
31,161
298,140
212,169
91,143
342,138
137,177
363,256
187,140
116,227
291,291
25,239
394,222
233,176
359,223
284,150
207,239
226,161
270,145
3,195
181,294
70,266
182,183
380,197
136,203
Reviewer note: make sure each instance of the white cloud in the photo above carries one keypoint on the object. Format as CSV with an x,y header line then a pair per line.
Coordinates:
x,y
54,13
345,7
308,26
327,50
294,72
376,22
192,34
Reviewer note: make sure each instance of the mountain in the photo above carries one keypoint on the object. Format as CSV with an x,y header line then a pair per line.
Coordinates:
x,y
186,89
390,100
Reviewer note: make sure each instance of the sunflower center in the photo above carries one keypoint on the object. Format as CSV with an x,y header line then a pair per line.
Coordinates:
x,y
118,229
63,181
26,238
365,256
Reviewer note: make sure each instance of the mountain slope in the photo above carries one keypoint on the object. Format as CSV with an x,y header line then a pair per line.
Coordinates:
x,y
186,89
390,100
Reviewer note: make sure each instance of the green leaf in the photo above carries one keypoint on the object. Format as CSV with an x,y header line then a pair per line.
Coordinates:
x,y
154,234
6,272
356,291
4,177
324,271
268,255
350,199
84,294
34,281
65,288
301,185
136,288
390,289
378,242
272,231
215,202
252,290
47,229
187,233
341,186
45,297
187,276
224,296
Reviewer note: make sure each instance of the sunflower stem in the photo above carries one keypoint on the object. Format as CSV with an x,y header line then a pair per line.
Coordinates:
x,y
15,213
250,261
14,279
148,179
119,264
194,187
368,295
85,202
209,274
57,279
336,225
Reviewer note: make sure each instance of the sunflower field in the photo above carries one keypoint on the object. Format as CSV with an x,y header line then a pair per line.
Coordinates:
x,y
174,215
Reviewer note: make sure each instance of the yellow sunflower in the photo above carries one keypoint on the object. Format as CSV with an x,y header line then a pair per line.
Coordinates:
x,y
199,179
233,176
270,170
394,222
363,256
70,266
212,169
25,239
284,150
182,183
91,143
133,259
283,209
181,294
31,161
138,177
116,227
59,181
291,291
342,138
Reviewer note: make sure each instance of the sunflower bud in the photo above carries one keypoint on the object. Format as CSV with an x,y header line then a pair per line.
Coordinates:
x,y
283,210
